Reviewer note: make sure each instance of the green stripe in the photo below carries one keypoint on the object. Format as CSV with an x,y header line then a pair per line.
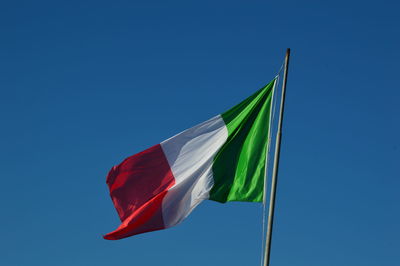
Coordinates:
x,y
239,165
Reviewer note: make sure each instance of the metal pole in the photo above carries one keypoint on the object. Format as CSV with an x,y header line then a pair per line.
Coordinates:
x,y
276,165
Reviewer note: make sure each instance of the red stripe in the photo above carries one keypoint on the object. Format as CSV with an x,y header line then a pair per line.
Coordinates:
x,y
137,188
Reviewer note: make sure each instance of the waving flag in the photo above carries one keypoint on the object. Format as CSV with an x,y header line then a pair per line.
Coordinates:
x,y
222,159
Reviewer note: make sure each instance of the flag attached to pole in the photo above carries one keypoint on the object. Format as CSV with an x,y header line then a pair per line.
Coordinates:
x,y
222,159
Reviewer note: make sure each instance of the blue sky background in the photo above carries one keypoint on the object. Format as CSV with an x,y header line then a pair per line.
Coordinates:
x,y
85,84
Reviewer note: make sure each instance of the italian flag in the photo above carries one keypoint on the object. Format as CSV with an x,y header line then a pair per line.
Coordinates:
x,y
222,159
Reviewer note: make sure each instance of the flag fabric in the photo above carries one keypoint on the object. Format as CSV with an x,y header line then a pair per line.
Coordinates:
x,y
222,159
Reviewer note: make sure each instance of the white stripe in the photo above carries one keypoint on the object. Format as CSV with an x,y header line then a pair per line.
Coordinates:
x,y
190,155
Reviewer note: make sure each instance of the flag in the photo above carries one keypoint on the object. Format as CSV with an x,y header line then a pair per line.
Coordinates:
x,y
222,159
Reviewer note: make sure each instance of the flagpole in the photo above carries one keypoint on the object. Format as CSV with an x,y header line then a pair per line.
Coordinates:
x,y
274,180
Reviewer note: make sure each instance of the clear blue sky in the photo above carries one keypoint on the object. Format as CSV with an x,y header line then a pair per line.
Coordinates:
x,y
86,83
